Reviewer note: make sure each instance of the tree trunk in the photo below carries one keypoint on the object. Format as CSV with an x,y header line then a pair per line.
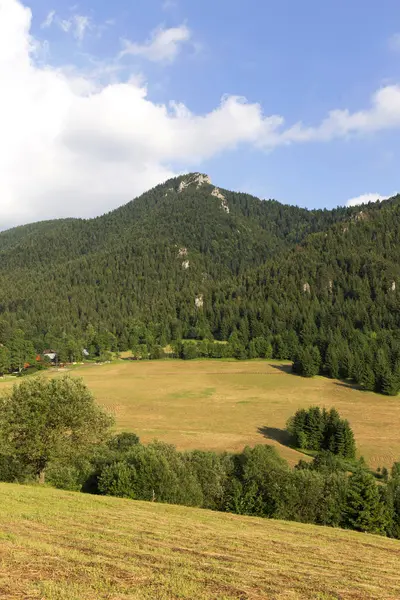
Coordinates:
x,y
41,476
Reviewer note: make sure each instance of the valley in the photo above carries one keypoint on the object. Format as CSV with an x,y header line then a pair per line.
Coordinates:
x,y
226,405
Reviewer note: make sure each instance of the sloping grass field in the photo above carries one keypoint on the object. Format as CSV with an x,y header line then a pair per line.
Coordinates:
x,y
224,405
68,546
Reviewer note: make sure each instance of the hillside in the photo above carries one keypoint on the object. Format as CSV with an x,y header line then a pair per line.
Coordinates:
x,y
58,545
130,262
190,260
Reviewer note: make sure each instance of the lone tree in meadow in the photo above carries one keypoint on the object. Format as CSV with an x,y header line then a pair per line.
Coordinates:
x,y
43,419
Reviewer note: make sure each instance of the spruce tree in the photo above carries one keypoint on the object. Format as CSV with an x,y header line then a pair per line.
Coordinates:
x,y
364,510
314,428
5,360
332,362
349,441
368,379
390,383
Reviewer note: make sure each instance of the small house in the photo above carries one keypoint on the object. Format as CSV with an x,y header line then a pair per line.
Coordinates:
x,y
50,355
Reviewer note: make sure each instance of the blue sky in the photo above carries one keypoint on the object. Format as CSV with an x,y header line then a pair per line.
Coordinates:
x,y
295,61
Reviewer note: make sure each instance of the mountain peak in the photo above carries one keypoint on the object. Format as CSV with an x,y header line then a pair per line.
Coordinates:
x,y
197,179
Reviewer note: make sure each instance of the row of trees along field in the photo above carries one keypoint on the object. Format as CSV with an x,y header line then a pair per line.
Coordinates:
x,y
51,430
369,360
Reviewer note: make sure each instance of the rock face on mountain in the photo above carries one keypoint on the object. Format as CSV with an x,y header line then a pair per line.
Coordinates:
x,y
196,179
224,204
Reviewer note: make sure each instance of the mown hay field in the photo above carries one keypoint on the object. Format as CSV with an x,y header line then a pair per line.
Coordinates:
x,y
225,405
69,546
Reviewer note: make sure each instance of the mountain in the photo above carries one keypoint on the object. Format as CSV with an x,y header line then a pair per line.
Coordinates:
x,y
139,260
187,259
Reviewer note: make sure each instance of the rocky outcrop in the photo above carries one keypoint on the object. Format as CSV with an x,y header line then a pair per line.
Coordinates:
x,y
218,194
199,301
361,216
197,179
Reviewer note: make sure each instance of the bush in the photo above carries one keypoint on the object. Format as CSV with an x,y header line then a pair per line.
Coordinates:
x,y
118,479
123,442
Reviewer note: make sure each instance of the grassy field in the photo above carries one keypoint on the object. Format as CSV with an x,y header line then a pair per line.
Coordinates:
x,y
68,546
224,405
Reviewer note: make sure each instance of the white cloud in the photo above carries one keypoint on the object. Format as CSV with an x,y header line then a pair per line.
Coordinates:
x,y
82,23
76,24
169,4
394,42
384,113
49,19
72,145
365,198
163,46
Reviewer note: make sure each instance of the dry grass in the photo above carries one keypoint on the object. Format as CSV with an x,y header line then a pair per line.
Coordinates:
x,y
222,405
68,546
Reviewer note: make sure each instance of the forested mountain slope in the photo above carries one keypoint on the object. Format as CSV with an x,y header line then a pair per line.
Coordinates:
x,y
145,259
187,259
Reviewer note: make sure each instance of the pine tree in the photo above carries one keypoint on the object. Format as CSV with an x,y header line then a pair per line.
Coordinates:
x,y
5,360
345,361
364,511
368,378
331,425
349,447
390,383
307,362
332,362
314,428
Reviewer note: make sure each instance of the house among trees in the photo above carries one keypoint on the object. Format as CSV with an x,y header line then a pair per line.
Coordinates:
x,y
50,355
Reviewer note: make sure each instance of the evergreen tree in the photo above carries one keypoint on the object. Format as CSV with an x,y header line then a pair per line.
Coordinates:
x,y
5,360
307,362
316,429
332,362
22,351
390,383
349,444
364,511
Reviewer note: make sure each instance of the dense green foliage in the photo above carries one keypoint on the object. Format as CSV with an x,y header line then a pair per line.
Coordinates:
x,y
254,482
53,427
316,429
317,287
42,420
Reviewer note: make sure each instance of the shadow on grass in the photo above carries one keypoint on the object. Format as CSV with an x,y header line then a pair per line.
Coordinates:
x,y
273,433
282,368
350,386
